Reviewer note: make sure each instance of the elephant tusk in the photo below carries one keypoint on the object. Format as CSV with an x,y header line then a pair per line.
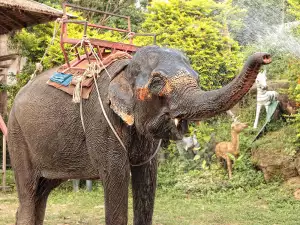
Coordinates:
x,y
176,121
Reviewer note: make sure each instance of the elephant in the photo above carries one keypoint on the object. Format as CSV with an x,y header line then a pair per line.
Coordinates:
x,y
153,98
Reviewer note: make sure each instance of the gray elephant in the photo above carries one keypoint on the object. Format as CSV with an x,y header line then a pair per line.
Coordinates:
x,y
153,98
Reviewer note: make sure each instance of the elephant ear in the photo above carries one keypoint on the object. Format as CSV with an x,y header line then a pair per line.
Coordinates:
x,y
120,95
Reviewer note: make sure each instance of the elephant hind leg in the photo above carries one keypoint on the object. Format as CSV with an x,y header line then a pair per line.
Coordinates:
x,y
26,179
33,198
33,190
44,187
26,185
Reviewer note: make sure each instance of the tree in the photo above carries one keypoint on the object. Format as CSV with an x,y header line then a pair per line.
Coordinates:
x,y
230,17
193,27
293,14
123,7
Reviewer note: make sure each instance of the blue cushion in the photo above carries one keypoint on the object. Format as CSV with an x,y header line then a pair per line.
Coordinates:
x,y
62,78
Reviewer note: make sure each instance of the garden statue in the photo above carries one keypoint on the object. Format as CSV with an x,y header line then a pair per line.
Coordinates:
x,y
190,148
115,134
264,97
187,145
223,149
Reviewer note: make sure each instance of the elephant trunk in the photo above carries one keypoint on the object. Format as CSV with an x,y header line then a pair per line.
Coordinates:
x,y
207,104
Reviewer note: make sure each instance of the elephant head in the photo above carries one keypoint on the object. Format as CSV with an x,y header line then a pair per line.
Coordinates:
x,y
159,92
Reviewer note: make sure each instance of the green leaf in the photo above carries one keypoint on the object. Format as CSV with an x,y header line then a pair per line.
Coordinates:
x,y
231,156
197,157
203,165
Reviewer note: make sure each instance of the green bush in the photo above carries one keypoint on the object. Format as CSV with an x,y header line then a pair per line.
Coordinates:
x,y
194,27
173,175
190,176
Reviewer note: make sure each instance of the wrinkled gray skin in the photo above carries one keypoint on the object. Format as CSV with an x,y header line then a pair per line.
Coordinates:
x,y
47,144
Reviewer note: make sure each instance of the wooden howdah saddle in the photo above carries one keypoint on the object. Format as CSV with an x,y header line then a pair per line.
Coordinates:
x,y
66,78
107,55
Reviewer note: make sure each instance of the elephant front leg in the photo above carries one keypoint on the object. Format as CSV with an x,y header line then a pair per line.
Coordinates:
x,y
116,182
143,189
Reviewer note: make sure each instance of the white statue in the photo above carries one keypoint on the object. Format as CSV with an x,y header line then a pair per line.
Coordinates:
x,y
264,97
188,143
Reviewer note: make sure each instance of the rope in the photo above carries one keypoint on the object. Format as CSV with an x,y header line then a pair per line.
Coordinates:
x,y
151,157
105,115
92,71
81,115
115,132
39,65
98,60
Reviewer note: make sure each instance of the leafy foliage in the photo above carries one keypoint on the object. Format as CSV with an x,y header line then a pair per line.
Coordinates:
x,y
293,66
127,8
293,9
294,91
285,63
193,27
191,177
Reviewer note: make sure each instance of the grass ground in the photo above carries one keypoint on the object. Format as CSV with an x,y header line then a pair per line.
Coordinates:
x,y
264,206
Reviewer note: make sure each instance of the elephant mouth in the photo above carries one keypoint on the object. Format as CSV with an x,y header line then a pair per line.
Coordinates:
x,y
173,129
180,128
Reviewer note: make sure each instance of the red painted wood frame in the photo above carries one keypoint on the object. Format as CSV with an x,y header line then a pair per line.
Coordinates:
x,y
103,47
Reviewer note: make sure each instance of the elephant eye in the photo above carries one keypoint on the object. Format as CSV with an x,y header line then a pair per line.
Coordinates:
x,y
156,84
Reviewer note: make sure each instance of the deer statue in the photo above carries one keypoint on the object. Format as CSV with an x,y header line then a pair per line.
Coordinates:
x,y
223,148
264,97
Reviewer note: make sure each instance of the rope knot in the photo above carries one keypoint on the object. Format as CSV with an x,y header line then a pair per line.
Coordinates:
x,y
77,90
